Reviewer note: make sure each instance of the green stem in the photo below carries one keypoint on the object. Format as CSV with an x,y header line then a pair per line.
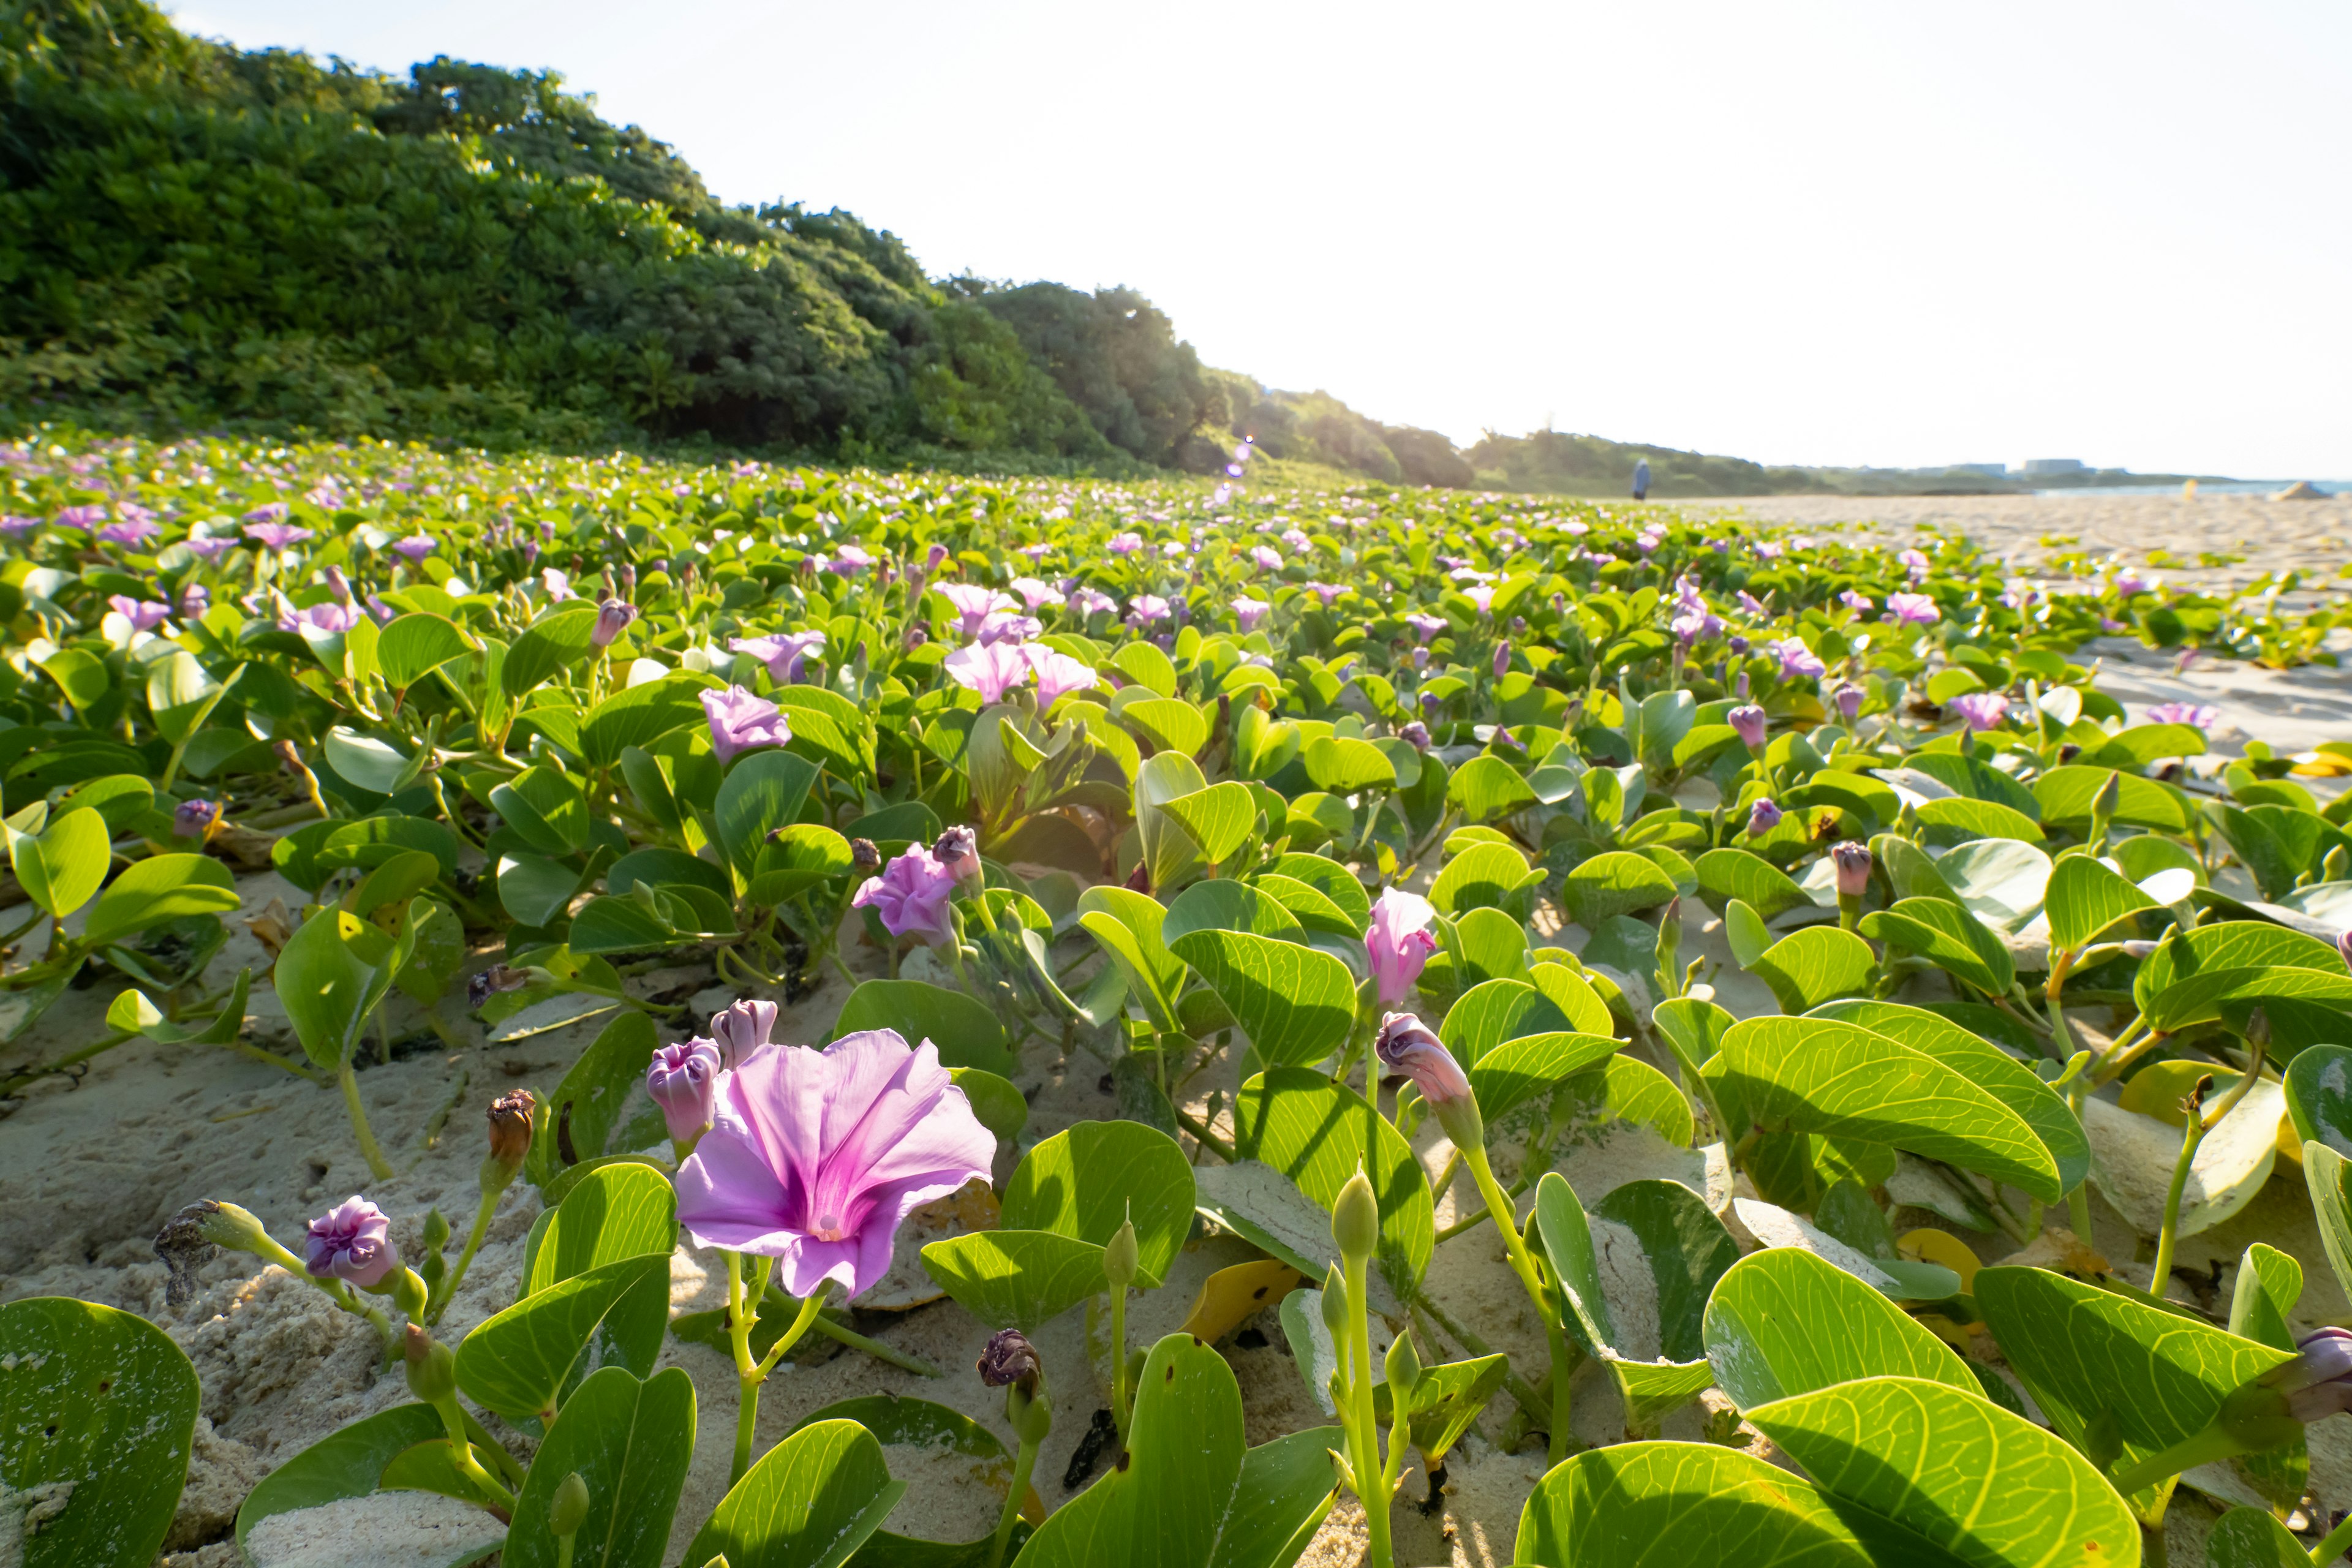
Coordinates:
x,y
1022,1463
380,1167
754,1374
1119,1361
2192,1132
1546,1310
461,1450
1364,1437
2338,1542
2198,1448
456,1276
857,1341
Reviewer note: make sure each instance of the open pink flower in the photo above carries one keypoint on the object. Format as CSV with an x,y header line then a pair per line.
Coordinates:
x,y
1056,673
783,654
989,669
973,603
1982,709
1034,593
741,721
1399,943
2195,713
1249,612
351,1241
815,1157
1913,609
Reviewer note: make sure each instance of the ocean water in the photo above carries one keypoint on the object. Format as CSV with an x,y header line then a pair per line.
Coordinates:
x,y
2204,488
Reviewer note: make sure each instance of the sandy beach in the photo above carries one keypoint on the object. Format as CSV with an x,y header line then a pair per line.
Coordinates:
x,y
2254,534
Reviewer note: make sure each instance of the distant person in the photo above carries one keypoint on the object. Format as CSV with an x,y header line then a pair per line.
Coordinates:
x,y
1641,478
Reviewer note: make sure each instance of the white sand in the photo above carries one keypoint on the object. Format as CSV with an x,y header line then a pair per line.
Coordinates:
x,y
389,1530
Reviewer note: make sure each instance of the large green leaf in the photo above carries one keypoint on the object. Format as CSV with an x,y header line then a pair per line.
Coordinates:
x,y
1521,1070
158,889
612,1213
556,641
1487,787
2085,898
547,807
413,645
2329,1176
61,867
1615,883
967,1034
1839,1079
763,791
1169,856
2229,945
2319,1096
103,1403
1088,1179
1016,1279
346,1463
1485,874
592,1097
1188,1494
1317,1133
2065,795
812,1500
1127,924
329,978
1767,1331
632,1442
1670,1505
1727,874
1224,904
1990,1487
1684,1267
1688,1250
521,1361
2252,1538
1296,1003
1331,879
2149,1375
1987,1065
1341,764
640,715
1494,1011
1815,966
1950,937
1217,819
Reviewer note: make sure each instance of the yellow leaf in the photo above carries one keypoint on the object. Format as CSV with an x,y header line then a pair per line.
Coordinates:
x,y
1231,1295
1943,1248
2157,1088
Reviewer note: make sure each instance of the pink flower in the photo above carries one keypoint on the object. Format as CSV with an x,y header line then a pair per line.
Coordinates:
x,y
84,517
1859,604
849,561
1126,543
1034,593
1795,657
1056,673
742,722
1425,626
276,535
1249,612
144,616
1144,609
741,1027
329,616
815,1157
1983,710
415,547
911,897
1483,596
1764,816
1768,550
973,603
1088,602
557,583
989,669
351,1242
1913,609
210,548
782,655
1749,722
2196,713
1327,591
1004,626
1399,942
131,530
1267,558
1406,1045
683,1081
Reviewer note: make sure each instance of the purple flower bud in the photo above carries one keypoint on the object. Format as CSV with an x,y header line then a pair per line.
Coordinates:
x,y
1852,857
1749,722
194,600
510,1118
195,818
1502,659
613,618
2319,1381
1406,1045
958,851
742,1027
2343,947
683,1081
339,585
1010,1359
351,1242
1764,817
1848,698
1415,735
1431,703
933,556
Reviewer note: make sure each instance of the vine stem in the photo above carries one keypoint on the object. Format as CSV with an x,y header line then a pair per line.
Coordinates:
x,y
1023,1464
2338,1542
751,1373
456,1276
1371,1473
1546,1309
378,1166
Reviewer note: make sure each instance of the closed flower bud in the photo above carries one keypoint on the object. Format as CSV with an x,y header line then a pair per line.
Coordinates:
x,y
1009,1361
863,858
1748,721
1415,735
1335,1304
567,1511
432,1370
684,1080
2343,948
1356,1217
1402,1366
1764,816
509,1117
740,1029
195,818
1119,1257
408,1292
1502,659
1848,698
613,618
958,851
1852,858
2316,1383
351,1242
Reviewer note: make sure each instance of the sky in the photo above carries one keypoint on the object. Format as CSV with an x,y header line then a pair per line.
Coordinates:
x,y
1809,231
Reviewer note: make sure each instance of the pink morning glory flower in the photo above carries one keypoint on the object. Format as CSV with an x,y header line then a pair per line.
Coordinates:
x,y
130,532
1795,657
1913,609
82,517
742,722
1005,626
351,1242
1267,559
1056,673
415,547
210,548
1425,626
1126,543
276,535
783,654
1089,601
1483,596
683,1081
850,560
1249,612
2195,713
1767,549
1144,609
1983,710
329,616
972,604
16,527
1398,943
1860,604
911,897
1034,594
989,669
815,1157
144,616
1750,723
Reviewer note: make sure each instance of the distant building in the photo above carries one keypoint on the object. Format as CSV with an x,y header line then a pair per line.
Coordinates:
x,y
2051,467
1982,470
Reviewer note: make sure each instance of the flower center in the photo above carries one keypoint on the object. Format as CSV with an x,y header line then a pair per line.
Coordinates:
x,y
828,1227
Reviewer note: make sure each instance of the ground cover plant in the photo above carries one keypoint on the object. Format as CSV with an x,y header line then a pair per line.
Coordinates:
x,y
1355,838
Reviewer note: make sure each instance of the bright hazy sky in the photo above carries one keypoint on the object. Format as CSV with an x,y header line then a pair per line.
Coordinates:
x,y
1810,232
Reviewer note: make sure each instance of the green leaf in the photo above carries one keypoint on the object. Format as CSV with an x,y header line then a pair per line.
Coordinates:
x,y
2319,1096
899,1422
80,675
1818,964
367,761
1520,1070
1727,874
1762,1329
1574,995
632,1442
556,641
131,1010
1745,934
1494,1011
1309,906
804,855
1170,723
104,1403
1483,875
1016,1279
1217,819
396,881
1668,1505
1126,925
1486,787
640,715
1146,665
1987,1065
2087,1354
329,978
546,807
2269,1283
1088,1179
520,1362
1615,883
63,866
1296,1003
1169,856
967,1034
536,891
1341,765
413,644
614,1213
1334,881
1624,1088
1984,818
2329,1176
763,791
2252,1538
1989,1486
1950,937
181,694
1223,904
1818,1075
1315,1132
347,1463
1688,1250
120,798
810,1502
158,889
2085,898
2065,795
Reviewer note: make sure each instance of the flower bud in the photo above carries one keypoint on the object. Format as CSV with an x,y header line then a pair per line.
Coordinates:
x,y
339,585
408,1292
1119,1257
932,557
683,1081
1502,659
432,1370
1009,1361
865,859
511,1116
195,818
2317,1382
1402,1368
1848,698
1398,943
1748,721
1335,1304
1356,1218
567,1511
613,618
1852,858
740,1029
1415,735
351,1242
1763,817
2343,948
958,851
